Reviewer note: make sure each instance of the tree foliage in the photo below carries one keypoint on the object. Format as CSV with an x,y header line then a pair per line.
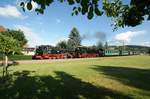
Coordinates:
x,y
132,13
62,45
16,34
8,45
149,51
74,39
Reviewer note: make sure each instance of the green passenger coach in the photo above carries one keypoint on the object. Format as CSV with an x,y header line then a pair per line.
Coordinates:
x,y
112,52
109,52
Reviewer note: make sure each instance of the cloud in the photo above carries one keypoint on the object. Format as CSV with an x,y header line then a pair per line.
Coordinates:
x,y
40,23
10,11
146,43
33,38
34,5
127,36
58,21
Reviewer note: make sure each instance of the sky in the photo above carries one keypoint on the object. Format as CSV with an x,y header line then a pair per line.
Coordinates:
x,y
56,23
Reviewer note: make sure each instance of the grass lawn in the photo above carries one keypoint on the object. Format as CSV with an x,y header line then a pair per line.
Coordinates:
x,y
18,57
126,77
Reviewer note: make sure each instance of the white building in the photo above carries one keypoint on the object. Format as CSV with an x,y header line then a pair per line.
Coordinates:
x,y
28,51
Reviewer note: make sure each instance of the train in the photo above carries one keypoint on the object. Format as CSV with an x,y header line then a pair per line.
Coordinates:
x,y
49,52
109,52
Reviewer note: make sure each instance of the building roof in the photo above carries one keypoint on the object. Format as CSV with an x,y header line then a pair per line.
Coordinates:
x,y
29,49
2,29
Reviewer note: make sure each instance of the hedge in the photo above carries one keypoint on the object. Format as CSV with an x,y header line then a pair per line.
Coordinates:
x,y
18,57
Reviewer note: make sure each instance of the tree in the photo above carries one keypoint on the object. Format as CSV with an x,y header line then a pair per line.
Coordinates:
x,y
132,13
149,51
8,45
18,35
62,45
74,39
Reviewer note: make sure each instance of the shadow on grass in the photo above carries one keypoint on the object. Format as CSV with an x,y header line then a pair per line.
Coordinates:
x,y
63,86
138,78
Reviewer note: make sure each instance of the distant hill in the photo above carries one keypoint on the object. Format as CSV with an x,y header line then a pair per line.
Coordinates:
x,y
2,29
141,49
131,46
138,48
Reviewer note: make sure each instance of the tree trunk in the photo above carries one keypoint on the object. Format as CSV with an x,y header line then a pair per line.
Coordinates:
x,y
6,60
5,65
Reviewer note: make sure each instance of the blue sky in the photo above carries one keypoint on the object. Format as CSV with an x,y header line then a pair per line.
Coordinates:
x,y
57,22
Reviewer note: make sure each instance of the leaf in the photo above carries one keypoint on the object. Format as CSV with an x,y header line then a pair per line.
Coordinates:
x,y
148,17
74,8
76,12
79,9
72,14
41,11
22,4
29,6
90,13
94,1
98,12
43,6
23,9
78,1
84,9
48,2
61,1
71,2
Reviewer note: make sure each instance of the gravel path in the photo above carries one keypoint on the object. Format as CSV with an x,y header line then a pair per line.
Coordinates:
x,y
49,60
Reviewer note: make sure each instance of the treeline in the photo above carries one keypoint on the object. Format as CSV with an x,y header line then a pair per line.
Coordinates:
x,y
141,49
74,41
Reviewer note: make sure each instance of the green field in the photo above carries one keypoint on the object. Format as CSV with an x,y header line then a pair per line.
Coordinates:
x,y
126,77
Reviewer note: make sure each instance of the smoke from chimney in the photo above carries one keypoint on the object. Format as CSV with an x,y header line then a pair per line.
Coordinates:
x,y
100,36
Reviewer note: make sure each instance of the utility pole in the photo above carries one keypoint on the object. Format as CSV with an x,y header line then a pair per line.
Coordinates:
x,y
123,45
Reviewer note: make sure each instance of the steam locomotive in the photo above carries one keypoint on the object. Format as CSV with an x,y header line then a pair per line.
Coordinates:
x,y
49,52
